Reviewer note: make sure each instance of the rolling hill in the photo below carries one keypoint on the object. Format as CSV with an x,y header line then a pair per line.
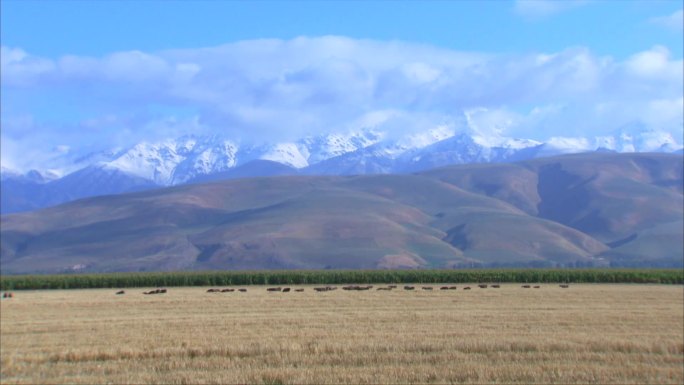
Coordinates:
x,y
595,209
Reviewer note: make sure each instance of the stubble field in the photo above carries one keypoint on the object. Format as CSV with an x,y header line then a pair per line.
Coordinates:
x,y
583,334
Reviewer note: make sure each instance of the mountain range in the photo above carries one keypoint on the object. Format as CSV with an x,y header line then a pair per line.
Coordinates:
x,y
579,210
195,159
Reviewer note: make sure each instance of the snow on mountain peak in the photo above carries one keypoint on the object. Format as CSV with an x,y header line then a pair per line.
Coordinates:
x,y
424,139
155,162
322,147
176,161
285,153
566,145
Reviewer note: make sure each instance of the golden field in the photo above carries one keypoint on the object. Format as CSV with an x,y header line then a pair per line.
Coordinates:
x,y
584,334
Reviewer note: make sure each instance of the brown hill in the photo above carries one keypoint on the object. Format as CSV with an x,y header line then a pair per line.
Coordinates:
x,y
578,210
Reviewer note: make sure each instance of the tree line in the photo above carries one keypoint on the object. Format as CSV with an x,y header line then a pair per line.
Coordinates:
x,y
303,277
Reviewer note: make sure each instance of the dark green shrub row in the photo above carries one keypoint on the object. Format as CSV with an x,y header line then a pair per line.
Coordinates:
x,y
235,278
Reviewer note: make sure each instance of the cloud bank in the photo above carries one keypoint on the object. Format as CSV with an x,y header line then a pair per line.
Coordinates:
x,y
673,21
283,89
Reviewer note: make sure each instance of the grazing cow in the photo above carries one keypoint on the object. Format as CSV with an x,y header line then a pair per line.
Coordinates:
x,y
242,290
409,287
274,289
444,288
356,287
466,288
299,290
120,292
496,286
286,290
482,286
537,287
227,290
426,288
525,286
564,286
384,288
452,287
162,291
213,290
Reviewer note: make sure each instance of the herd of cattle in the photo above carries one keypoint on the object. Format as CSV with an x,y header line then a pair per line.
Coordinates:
x,y
349,288
392,287
328,288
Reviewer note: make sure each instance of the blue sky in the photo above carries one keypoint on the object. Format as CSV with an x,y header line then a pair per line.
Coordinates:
x,y
616,28
86,73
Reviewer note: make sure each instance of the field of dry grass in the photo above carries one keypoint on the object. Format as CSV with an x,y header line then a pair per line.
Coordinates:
x,y
584,334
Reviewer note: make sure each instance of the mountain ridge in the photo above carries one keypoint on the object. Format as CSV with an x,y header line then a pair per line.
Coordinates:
x,y
368,151
581,210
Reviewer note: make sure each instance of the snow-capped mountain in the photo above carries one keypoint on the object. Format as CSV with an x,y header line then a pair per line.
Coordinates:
x,y
195,158
380,157
176,161
321,147
32,176
464,148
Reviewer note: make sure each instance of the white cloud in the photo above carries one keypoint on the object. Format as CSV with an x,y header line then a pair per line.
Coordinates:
x,y
653,63
19,68
673,21
537,9
664,112
492,122
283,89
